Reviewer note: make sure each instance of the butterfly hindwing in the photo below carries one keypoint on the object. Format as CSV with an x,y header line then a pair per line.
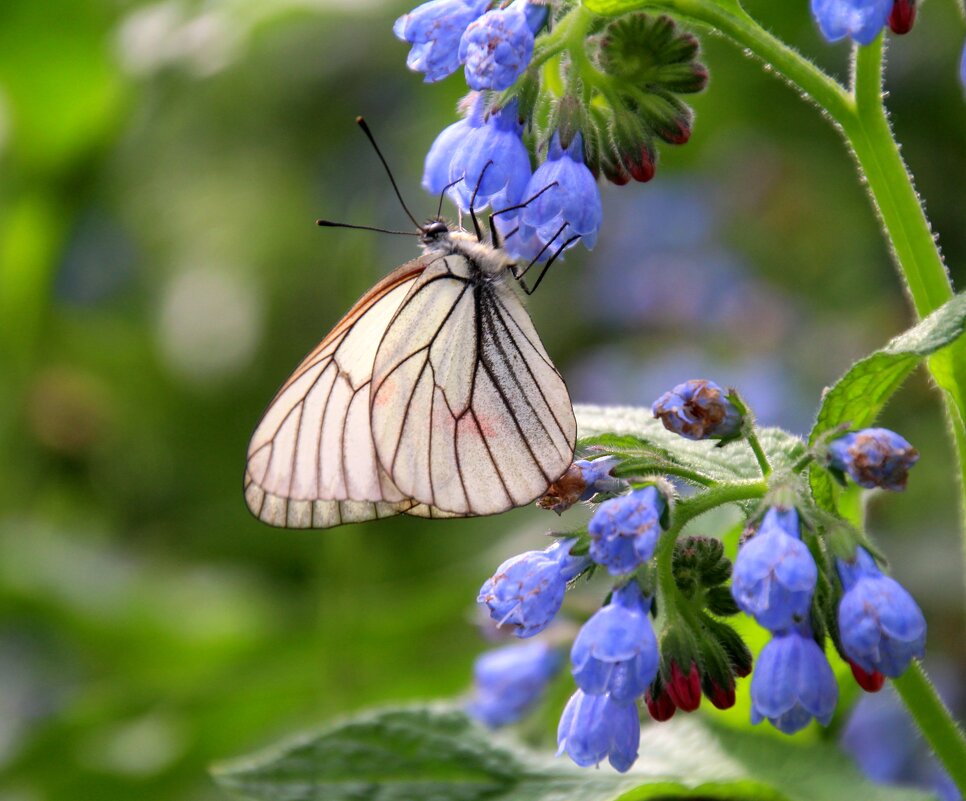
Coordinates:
x,y
311,461
468,413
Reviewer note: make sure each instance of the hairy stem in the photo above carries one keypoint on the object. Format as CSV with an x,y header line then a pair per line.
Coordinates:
x,y
934,720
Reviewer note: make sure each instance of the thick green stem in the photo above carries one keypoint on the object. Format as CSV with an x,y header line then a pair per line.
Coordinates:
x,y
934,720
759,452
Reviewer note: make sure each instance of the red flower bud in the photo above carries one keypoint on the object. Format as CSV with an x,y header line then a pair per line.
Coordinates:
x,y
685,691
903,16
870,682
722,697
661,708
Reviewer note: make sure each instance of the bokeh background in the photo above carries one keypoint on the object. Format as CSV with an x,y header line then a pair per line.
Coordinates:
x,y
161,166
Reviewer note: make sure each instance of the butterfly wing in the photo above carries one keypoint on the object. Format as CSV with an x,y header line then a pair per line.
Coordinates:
x,y
469,415
311,461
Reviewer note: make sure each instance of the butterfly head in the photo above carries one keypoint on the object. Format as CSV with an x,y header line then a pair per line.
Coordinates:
x,y
433,232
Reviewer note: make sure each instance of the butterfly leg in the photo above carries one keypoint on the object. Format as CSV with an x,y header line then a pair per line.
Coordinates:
x,y
495,235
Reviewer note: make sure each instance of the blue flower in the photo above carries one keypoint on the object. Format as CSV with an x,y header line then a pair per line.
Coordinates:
x,y
624,531
874,457
572,199
615,651
880,625
597,477
509,681
593,727
698,409
775,574
436,170
793,683
497,147
497,47
527,590
962,68
434,30
860,19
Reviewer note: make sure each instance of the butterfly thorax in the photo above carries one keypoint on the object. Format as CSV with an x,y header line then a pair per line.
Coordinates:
x,y
491,262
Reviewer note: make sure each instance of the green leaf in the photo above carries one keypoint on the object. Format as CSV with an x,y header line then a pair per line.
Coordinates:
x,y
858,398
635,433
613,8
437,754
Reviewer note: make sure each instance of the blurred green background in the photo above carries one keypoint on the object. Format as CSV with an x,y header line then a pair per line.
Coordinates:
x,y
161,166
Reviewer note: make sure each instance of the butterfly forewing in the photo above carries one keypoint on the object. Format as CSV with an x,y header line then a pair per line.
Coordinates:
x,y
468,413
311,460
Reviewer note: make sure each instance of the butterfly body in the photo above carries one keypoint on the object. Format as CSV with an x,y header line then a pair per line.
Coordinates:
x,y
433,396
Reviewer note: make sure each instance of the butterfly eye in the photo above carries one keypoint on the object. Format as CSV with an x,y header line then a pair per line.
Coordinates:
x,y
435,229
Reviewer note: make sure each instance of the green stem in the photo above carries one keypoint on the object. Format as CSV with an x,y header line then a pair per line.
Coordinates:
x,y
934,720
760,456
686,510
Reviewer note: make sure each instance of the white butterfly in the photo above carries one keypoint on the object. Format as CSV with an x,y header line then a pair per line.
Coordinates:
x,y
433,397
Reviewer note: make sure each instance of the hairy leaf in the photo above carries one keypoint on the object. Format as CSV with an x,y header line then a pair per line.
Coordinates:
x,y
858,398
437,754
635,433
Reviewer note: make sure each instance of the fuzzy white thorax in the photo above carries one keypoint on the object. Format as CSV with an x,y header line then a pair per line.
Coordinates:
x,y
492,261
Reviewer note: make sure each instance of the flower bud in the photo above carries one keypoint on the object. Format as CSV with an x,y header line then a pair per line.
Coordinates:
x,y
874,457
903,16
659,705
698,409
582,481
870,682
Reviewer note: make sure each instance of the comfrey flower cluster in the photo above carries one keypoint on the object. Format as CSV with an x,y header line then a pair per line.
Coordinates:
x,y
602,118
661,641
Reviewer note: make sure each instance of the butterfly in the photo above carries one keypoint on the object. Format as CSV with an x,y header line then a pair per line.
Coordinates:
x,y
433,396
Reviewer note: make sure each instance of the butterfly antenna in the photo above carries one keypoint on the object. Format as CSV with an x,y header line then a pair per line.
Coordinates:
x,y
450,185
332,224
372,140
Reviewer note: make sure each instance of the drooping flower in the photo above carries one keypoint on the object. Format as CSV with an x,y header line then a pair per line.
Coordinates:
x,y
527,590
775,574
509,681
880,625
492,161
497,47
874,457
571,202
862,20
440,156
593,727
624,531
615,651
698,409
582,481
434,30
793,683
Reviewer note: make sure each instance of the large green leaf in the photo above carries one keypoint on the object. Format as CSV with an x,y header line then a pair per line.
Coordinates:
x,y
649,446
858,398
438,754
